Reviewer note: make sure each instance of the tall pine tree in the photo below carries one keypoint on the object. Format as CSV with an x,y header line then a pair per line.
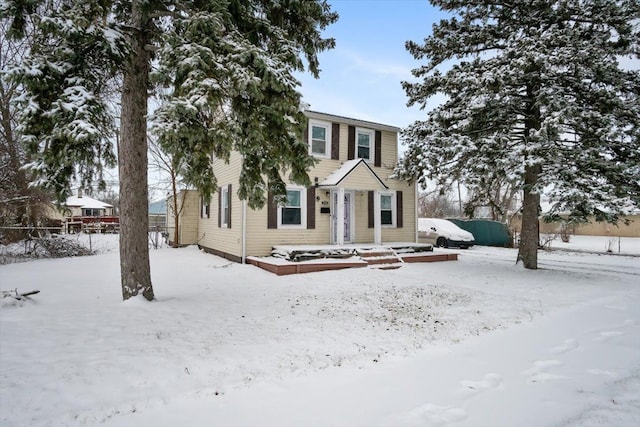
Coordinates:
x,y
535,94
228,66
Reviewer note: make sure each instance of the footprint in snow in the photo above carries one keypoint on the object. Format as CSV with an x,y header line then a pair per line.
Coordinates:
x,y
537,373
429,415
604,336
568,345
488,382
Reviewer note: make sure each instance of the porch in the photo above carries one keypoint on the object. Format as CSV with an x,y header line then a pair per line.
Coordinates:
x,y
296,259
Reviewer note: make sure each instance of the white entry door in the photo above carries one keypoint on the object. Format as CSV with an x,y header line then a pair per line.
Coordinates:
x,y
347,217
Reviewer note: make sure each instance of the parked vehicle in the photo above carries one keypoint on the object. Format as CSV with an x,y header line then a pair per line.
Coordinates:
x,y
443,233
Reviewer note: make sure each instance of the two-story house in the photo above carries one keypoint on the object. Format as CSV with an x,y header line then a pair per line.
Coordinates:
x,y
352,199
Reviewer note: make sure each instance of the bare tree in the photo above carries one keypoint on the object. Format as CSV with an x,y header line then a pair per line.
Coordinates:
x,y
498,195
436,204
171,165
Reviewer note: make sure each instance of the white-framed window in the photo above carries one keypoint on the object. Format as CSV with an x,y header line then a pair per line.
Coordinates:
x,y
224,209
204,208
91,212
365,144
387,209
319,138
293,214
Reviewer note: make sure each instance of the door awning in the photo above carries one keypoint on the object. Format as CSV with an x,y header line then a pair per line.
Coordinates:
x,y
354,174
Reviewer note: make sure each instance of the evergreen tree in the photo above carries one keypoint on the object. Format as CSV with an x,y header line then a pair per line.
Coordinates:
x,y
229,68
535,94
20,203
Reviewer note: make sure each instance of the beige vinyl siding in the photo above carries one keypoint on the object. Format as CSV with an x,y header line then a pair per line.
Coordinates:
x,y
261,239
389,152
364,234
360,178
189,208
227,240
408,231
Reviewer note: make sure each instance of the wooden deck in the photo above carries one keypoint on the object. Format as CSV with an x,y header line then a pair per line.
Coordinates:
x,y
287,260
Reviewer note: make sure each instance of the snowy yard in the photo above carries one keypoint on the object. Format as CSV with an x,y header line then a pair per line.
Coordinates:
x,y
477,342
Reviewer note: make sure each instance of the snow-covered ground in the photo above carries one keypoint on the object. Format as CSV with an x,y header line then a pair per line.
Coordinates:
x,y
613,244
477,342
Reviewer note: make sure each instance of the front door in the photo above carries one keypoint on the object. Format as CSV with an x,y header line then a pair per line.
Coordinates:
x,y
347,218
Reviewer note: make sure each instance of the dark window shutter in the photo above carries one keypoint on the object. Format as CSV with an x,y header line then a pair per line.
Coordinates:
x,y
335,141
219,207
207,210
306,134
229,204
377,161
311,208
272,212
371,205
399,209
201,207
351,143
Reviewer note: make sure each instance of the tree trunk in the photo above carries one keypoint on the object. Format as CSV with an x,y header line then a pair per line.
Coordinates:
x,y
132,166
18,176
529,237
176,212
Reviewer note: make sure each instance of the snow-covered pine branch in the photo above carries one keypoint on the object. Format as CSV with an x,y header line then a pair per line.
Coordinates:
x,y
534,89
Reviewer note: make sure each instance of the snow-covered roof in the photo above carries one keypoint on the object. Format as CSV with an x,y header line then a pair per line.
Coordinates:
x,y
337,176
86,202
348,120
158,207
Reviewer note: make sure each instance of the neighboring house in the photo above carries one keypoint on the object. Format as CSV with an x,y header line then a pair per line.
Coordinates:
x,y
353,199
80,205
158,214
188,207
590,228
85,213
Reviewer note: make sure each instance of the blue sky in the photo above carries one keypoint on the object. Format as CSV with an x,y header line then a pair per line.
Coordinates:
x,y
361,77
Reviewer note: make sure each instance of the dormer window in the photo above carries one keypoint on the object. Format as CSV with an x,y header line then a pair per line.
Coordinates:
x,y
319,138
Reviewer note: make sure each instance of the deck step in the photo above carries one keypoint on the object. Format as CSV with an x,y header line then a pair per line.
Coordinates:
x,y
381,258
390,266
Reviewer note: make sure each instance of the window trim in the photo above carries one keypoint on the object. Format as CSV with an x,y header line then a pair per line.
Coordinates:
x,y
371,134
224,212
328,138
205,209
92,212
394,210
303,210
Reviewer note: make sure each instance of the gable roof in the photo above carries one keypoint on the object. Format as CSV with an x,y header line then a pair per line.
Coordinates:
x,y
86,202
336,177
348,120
